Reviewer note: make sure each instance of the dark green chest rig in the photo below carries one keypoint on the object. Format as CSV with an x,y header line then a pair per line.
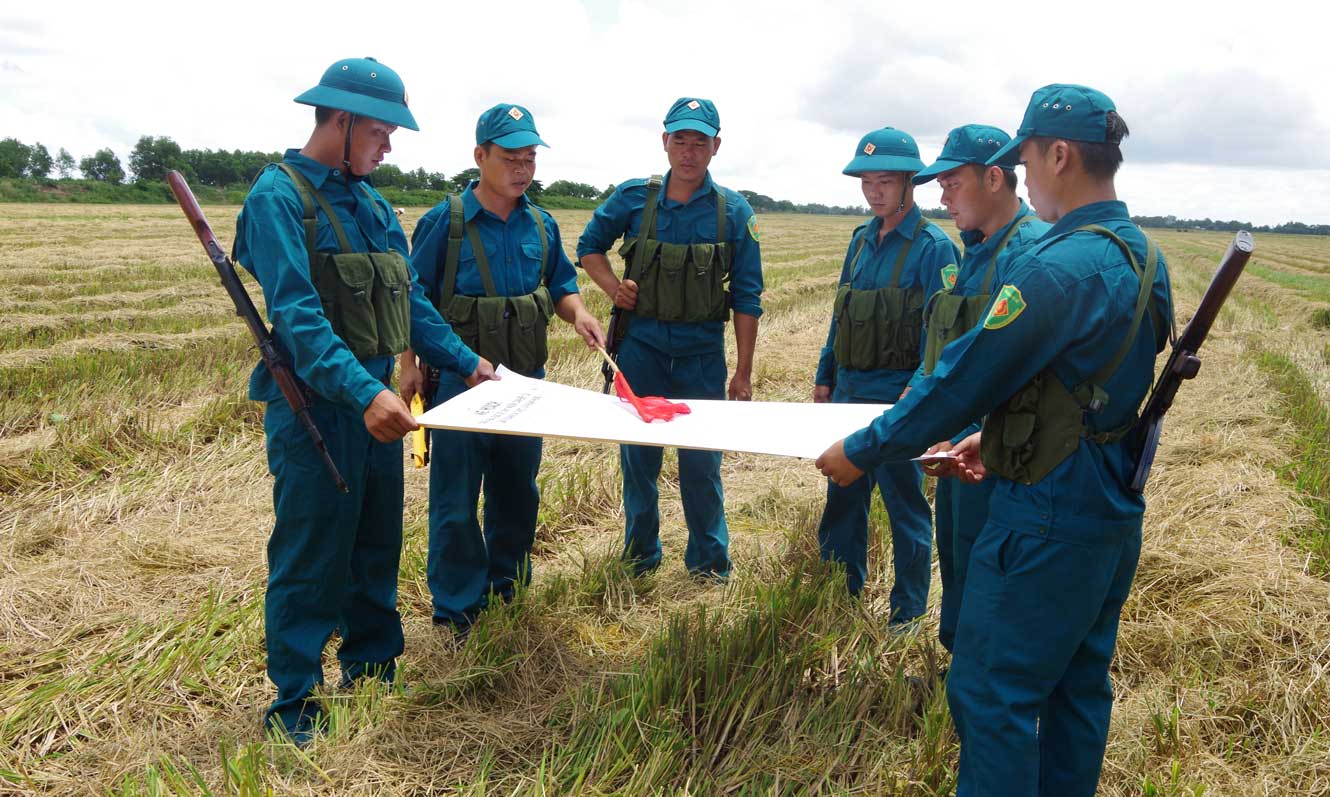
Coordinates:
x,y
511,330
678,282
951,316
879,328
1032,432
366,296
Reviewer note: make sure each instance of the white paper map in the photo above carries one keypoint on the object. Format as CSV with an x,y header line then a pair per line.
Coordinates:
x,y
534,407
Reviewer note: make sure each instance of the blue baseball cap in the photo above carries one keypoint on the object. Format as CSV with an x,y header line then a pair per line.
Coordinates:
x,y
364,87
693,113
885,150
1060,110
965,144
509,126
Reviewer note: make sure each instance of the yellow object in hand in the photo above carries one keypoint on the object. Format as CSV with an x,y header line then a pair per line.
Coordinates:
x,y
419,440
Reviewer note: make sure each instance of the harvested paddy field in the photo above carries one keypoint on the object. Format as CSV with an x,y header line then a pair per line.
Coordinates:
x,y
135,505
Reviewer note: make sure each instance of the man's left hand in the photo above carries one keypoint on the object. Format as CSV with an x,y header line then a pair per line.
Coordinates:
x,y
836,466
741,387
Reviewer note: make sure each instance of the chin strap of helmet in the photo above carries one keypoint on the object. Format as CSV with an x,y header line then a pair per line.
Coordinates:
x,y
346,149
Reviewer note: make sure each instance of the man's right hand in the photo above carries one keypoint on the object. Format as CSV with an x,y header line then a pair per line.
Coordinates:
x,y
410,377
388,418
484,371
625,296
821,394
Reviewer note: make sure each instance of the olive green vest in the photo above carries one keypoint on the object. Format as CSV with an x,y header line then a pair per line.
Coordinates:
x,y
879,328
678,282
366,296
1032,432
511,330
950,315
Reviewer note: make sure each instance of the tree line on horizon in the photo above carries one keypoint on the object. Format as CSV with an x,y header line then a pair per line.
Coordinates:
x,y
231,172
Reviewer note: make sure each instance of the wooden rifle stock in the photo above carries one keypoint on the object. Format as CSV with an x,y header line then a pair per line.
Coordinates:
x,y
272,356
1182,362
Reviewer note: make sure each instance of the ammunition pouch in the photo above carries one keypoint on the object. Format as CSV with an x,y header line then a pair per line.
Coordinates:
x,y
678,282
681,282
1032,432
878,329
507,330
512,330
366,296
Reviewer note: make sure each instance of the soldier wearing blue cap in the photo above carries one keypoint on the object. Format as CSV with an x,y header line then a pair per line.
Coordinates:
x,y
1058,369
995,224
331,258
692,256
874,344
493,263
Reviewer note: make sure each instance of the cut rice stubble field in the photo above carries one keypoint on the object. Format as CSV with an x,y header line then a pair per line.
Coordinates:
x,y
136,506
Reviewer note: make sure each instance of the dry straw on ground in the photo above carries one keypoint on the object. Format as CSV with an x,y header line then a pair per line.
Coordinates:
x,y
131,655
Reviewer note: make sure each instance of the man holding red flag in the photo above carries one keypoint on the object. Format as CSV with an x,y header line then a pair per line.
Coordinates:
x,y
692,255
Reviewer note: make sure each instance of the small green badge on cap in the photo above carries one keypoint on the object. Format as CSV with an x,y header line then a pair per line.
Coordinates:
x,y
752,228
1009,304
949,275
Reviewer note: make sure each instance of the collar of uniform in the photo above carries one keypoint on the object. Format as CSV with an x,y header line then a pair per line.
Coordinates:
x,y
975,238
704,189
905,228
314,171
471,206
1093,213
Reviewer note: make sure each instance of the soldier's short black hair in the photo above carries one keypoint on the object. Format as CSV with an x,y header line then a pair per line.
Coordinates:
x,y
1100,159
1008,175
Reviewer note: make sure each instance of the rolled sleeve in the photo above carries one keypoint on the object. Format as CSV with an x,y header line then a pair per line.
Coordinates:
x,y
608,223
562,272
746,267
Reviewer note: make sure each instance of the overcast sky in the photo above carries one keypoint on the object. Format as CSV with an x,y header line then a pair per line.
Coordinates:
x,y
1226,102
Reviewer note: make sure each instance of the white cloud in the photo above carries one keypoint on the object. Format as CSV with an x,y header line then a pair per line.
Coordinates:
x,y
796,84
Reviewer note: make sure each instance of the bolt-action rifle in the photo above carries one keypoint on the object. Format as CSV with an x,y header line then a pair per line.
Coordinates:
x,y
272,356
1182,362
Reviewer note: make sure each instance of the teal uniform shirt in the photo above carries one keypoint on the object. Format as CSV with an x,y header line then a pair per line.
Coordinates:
x,y
1079,293
270,244
688,222
468,562
930,254
970,280
512,248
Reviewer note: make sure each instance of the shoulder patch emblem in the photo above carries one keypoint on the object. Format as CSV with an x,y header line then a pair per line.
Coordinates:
x,y
949,275
1006,307
752,228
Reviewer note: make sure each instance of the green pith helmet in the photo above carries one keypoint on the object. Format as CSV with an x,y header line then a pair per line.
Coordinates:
x,y
364,87
885,150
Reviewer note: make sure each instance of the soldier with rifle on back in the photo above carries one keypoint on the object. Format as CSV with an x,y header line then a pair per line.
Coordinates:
x,y
331,258
1058,368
